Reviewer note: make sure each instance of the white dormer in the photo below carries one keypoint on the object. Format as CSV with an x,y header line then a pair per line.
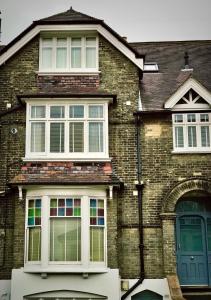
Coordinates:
x,y
190,96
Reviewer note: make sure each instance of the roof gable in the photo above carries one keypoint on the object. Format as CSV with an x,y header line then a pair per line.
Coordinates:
x,y
192,95
69,15
71,20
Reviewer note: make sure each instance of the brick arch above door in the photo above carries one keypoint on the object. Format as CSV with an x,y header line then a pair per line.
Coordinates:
x,y
196,184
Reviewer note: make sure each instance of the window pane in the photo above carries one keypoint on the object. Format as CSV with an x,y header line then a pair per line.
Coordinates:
x,y
191,136
65,239
38,112
62,43
76,137
57,137
76,111
47,58
38,137
61,57
96,244
191,118
91,41
73,239
96,111
90,57
57,239
76,57
205,136
34,244
190,234
204,118
95,137
178,118
57,112
47,42
76,42
179,138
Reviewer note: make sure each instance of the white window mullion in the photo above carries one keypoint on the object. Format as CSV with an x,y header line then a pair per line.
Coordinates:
x,y
85,231
65,239
45,236
83,53
86,130
54,53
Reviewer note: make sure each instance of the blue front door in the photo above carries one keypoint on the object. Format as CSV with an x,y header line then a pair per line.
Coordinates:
x,y
191,251
193,247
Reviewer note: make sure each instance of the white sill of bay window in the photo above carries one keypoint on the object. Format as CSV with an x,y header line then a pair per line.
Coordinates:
x,y
82,159
68,73
65,269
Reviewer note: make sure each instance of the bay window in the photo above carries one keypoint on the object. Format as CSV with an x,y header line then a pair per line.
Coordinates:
x,y
69,54
67,130
66,230
191,131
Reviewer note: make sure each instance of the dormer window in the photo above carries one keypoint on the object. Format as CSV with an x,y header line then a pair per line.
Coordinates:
x,y
191,132
69,54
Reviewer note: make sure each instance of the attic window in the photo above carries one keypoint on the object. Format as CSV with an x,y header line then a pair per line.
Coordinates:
x,y
69,54
151,67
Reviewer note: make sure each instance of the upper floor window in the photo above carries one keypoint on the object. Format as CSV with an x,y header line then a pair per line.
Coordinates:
x,y
69,54
67,228
191,132
67,130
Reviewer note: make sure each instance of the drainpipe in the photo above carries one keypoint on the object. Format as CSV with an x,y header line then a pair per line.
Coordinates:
x,y
139,187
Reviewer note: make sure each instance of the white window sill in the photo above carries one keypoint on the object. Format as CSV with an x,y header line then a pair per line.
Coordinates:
x,y
82,159
64,269
67,73
191,152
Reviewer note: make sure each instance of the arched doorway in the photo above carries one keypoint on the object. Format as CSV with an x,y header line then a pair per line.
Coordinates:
x,y
147,295
193,238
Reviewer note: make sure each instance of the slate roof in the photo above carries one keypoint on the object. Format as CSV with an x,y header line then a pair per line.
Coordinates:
x,y
61,92
68,15
156,88
66,173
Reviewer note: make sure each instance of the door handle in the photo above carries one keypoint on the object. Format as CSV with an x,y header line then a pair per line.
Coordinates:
x,y
191,257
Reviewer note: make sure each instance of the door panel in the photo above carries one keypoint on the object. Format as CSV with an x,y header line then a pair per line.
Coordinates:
x,y
191,251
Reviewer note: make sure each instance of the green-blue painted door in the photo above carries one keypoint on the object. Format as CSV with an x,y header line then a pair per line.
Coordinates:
x,y
192,258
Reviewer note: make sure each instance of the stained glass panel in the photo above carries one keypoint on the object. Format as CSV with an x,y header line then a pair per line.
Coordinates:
x,y
65,207
97,212
34,212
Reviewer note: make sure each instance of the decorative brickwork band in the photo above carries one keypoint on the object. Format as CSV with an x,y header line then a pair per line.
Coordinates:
x,y
178,191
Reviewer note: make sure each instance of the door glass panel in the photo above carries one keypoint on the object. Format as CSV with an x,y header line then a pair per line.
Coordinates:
x,y
209,234
190,206
191,234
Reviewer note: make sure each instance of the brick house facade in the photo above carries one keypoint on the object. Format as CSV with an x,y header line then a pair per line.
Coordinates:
x,y
123,191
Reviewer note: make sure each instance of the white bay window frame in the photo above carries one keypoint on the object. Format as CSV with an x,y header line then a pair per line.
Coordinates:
x,y
186,125
68,68
67,155
85,193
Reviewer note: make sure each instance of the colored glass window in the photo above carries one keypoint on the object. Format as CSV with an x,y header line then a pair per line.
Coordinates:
x,y
65,207
34,212
97,212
